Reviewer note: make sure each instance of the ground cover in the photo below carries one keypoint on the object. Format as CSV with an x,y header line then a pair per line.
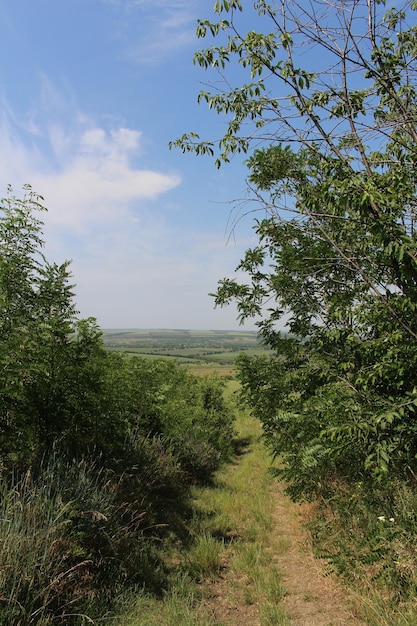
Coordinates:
x,y
249,559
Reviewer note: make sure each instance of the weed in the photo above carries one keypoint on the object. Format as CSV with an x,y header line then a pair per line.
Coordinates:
x,y
204,556
274,615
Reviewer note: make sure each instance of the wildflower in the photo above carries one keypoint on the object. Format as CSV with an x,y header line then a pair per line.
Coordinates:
x,y
381,518
392,519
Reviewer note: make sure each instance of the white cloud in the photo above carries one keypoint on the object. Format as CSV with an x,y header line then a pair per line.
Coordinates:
x,y
92,178
98,184
134,262
118,142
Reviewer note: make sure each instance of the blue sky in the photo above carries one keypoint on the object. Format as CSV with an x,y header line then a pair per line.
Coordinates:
x,y
91,92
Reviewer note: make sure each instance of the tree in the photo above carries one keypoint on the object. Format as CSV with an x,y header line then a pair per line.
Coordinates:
x,y
332,163
54,370
21,260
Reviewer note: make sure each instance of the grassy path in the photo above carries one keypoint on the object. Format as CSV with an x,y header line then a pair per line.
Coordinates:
x,y
250,562
248,589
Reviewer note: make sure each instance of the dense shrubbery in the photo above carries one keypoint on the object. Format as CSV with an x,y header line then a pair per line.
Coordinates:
x,y
97,451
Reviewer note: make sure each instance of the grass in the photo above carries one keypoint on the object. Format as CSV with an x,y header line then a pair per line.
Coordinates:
x,y
243,511
227,558
71,540
179,607
203,556
37,576
230,533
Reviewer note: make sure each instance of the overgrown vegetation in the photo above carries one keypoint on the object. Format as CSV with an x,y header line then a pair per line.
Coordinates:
x,y
97,452
327,118
231,533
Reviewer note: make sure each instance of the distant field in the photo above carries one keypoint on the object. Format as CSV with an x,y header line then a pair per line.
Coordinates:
x,y
202,351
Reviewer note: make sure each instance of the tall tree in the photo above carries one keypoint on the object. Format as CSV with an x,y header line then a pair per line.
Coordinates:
x,y
328,119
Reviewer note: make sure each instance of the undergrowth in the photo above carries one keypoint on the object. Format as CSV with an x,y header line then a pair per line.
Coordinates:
x,y
82,527
69,543
368,535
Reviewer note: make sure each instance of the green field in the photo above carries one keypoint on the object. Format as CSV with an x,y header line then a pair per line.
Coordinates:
x,y
201,350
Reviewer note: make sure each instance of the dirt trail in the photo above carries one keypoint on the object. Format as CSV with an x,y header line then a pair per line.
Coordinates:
x,y
312,597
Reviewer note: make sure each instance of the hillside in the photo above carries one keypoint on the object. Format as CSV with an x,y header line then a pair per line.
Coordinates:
x,y
202,350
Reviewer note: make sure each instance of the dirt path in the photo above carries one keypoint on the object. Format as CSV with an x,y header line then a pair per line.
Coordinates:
x,y
307,596
312,597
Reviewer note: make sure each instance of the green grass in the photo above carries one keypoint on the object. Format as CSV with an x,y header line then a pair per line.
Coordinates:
x,y
44,574
229,530
180,606
240,508
204,556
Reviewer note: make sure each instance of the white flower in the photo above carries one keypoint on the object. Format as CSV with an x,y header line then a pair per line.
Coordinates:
x,y
392,519
381,518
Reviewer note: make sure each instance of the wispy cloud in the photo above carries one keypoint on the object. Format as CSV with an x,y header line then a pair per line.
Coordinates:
x,y
92,175
159,34
99,183
166,36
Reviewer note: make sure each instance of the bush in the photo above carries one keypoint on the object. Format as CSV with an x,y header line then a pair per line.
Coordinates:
x,y
188,414
368,534
97,452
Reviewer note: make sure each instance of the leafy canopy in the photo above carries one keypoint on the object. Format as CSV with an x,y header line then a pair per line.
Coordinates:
x,y
326,114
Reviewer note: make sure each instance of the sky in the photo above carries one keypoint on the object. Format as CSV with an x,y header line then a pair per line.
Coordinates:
x,y
91,93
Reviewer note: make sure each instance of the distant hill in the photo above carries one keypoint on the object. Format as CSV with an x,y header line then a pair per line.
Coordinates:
x,y
213,349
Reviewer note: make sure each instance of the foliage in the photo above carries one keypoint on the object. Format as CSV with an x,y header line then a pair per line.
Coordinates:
x,y
53,366
187,413
97,451
331,150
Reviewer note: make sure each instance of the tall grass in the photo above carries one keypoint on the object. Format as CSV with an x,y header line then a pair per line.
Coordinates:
x,y
40,576
69,544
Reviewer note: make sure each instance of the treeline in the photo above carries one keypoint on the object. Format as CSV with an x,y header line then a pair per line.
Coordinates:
x,y
97,450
